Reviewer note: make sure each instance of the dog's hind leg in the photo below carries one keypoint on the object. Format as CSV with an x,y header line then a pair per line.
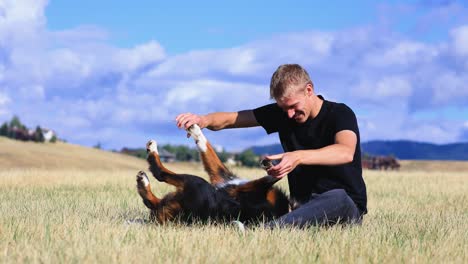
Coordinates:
x,y
144,189
161,210
213,166
157,168
263,188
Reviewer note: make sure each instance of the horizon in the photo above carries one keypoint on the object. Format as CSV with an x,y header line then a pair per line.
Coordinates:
x,y
119,73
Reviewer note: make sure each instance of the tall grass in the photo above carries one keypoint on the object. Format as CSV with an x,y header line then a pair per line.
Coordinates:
x,y
75,216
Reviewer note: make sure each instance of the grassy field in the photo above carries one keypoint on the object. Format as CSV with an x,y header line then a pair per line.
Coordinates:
x,y
54,208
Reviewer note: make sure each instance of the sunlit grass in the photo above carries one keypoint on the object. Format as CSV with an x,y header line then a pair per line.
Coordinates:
x,y
70,215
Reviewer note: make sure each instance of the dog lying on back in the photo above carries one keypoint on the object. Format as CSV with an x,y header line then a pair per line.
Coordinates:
x,y
225,198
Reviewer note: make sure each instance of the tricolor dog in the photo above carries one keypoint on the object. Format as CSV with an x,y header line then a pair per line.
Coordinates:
x,y
225,198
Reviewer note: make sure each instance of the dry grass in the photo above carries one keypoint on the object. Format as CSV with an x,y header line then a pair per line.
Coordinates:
x,y
58,214
434,165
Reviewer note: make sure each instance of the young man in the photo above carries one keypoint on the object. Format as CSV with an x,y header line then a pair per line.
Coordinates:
x,y
322,157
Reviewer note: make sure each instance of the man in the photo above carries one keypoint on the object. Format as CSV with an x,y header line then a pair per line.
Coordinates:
x,y
322,157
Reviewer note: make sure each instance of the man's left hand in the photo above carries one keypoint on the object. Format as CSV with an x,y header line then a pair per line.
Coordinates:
x,y
289,162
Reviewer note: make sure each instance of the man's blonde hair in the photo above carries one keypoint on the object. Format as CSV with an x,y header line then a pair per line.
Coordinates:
x,y
288,79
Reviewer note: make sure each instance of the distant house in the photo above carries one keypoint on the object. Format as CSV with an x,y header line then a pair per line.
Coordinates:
x,y
166,156
16,130
48,134
231,161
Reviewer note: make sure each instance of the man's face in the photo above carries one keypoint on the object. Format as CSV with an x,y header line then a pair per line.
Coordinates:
x,y
297,106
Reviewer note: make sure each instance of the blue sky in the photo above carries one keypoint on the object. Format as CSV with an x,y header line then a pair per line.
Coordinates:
x,y
118,72
186,26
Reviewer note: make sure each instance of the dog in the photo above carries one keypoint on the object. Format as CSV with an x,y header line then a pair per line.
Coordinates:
x,y
225,198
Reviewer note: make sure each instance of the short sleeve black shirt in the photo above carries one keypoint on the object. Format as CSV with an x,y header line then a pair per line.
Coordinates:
x,y
317,133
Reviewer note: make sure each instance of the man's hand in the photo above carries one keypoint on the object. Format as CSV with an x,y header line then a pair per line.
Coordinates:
x,y
289,162
186,120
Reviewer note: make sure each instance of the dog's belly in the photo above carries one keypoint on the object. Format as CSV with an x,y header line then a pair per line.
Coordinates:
x,y
237,181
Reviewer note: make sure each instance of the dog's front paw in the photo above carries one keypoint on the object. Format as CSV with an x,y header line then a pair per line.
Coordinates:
x,y
267,163
195,132
152,146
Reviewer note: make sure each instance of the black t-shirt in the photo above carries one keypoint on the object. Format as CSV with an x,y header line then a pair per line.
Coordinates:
x,y
317,133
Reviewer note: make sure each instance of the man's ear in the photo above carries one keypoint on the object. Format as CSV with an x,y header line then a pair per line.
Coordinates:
x,y
309,89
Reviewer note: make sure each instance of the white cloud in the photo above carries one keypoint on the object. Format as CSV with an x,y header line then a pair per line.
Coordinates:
x,y
460,40
4,99
32,92
79,36
384,89
436,133
252,59
210,95
449,86
86,84
4,103
132,59
204,63
402,54
14,11
21,22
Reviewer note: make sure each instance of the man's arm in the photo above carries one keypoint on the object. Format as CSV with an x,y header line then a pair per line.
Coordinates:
x,y
218,120
341,152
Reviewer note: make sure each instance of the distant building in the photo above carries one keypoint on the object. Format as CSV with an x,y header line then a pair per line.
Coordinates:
x,y
48,134
231,161
166,156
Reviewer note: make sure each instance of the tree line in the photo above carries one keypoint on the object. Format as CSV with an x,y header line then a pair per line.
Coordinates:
x,y
184,153
14,129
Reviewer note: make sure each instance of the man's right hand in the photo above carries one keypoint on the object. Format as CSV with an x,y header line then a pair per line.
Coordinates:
x,y
185,120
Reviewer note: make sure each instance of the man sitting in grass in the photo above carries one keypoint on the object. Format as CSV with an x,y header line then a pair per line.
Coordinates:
x,y
322,157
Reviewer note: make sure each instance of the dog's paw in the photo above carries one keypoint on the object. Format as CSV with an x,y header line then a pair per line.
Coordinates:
x,y
142,180
195,132
152,146
267,163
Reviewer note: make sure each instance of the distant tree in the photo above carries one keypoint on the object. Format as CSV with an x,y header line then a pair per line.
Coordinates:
x,y
4,129
15,122
223,155
53,139
140,153
97,146
183,153
248,158
38,136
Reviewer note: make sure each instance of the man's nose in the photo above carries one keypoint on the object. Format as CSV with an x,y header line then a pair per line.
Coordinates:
x,y
291,113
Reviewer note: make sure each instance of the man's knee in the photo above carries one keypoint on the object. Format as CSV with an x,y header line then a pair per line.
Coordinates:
x,y
341,198
339,195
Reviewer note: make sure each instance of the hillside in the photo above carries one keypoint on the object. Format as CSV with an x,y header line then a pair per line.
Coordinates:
x,y
268,149
404,149
19,154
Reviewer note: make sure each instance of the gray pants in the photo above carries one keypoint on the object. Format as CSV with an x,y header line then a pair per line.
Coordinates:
x,y
328,208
